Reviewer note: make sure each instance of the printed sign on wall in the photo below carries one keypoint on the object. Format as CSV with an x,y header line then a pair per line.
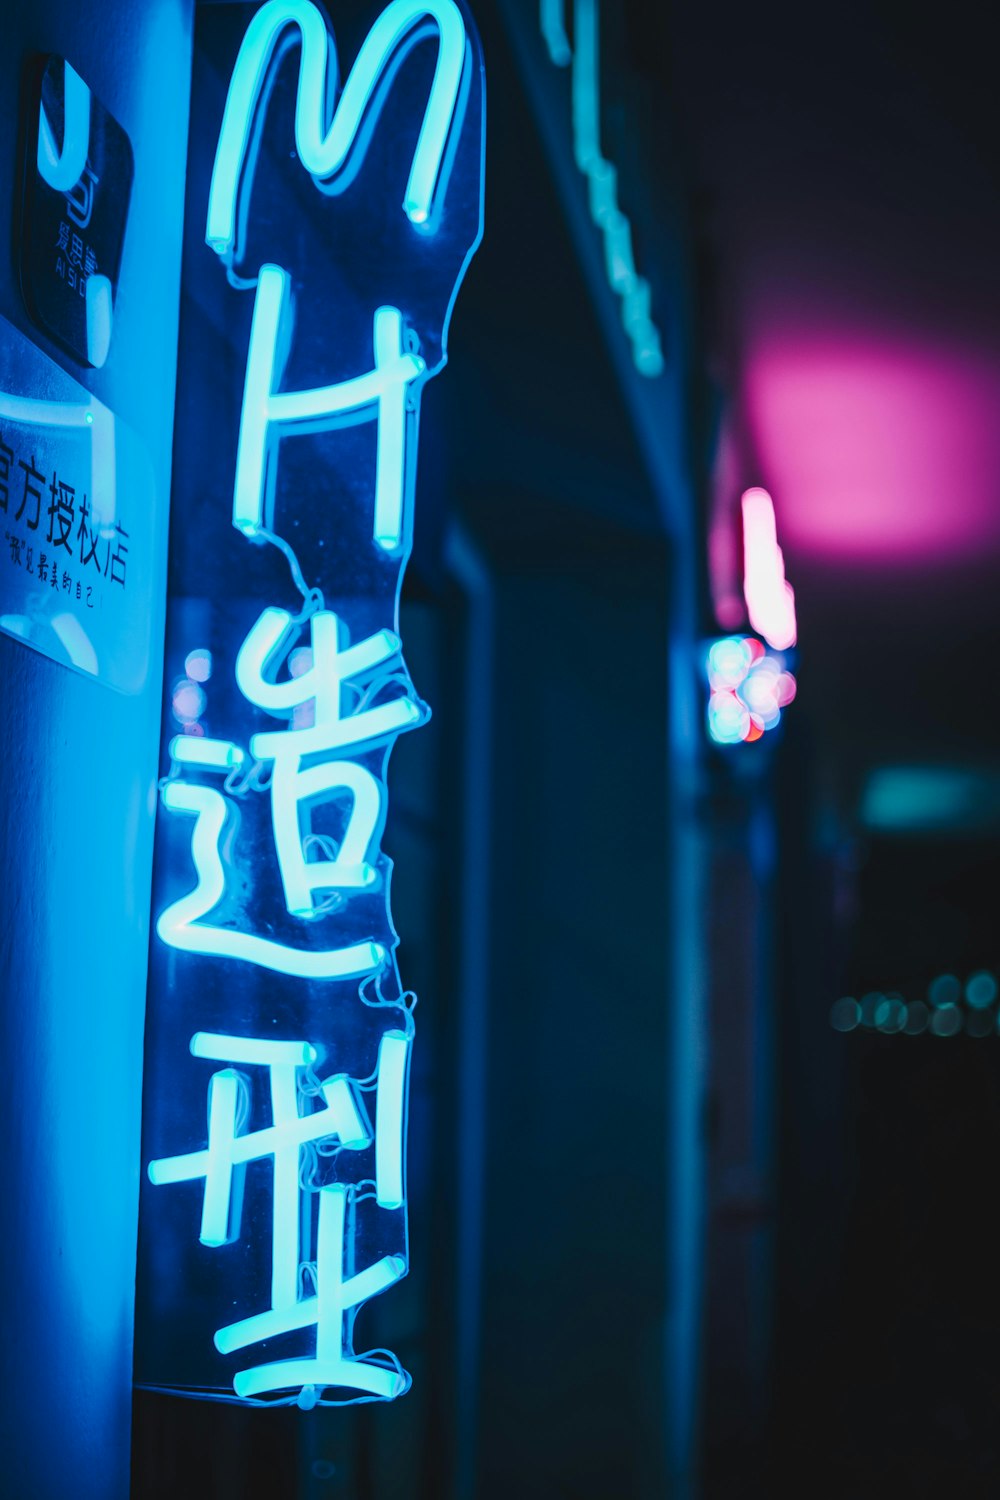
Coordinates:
x,y
77,185
76,510
339,219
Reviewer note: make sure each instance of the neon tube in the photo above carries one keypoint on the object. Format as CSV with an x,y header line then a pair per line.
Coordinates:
x,y
241,1049
393,1059
334,1363
323,148
210,755
552,19
381,392
769,598
180,927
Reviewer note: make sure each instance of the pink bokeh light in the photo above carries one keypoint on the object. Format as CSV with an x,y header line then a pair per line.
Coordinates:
x,y
770,598
878,450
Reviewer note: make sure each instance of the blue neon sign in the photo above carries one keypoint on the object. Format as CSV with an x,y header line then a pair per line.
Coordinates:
x,y
281,980
582,57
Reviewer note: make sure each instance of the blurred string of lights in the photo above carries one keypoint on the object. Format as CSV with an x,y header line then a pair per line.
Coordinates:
x,y
750,680
748,688
188,698
950,1008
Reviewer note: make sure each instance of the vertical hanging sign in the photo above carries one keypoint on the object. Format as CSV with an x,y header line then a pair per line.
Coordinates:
x,y
339,223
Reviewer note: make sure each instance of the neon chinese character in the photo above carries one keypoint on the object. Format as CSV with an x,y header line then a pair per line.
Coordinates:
x,y
295,1124
182,924
295,790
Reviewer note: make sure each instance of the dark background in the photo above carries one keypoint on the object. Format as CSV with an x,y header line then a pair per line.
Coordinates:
x,y
843,172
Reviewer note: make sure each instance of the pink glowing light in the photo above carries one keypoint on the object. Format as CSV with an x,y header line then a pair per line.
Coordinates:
x,y
770,598
188,701
883,448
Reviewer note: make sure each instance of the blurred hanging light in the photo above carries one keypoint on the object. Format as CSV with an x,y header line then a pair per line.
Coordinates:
x,y
770,598
749,686
951,1008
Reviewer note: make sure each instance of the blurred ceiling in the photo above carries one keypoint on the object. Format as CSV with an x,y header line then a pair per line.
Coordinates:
x,y
846,163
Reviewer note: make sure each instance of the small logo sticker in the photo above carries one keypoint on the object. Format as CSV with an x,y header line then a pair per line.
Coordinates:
x,y
77,185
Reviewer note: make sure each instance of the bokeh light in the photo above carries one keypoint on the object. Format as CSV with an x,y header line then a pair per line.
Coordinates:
x,y
729,661
869,1007
845,1014
944,1014
187,701
890,1014
917,1018
944,990
198,665
728,719
760,693
300,661
946,1020
749,688
981,990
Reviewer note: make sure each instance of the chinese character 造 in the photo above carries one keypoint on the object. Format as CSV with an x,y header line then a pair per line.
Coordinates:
x,y
364,672
298,783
